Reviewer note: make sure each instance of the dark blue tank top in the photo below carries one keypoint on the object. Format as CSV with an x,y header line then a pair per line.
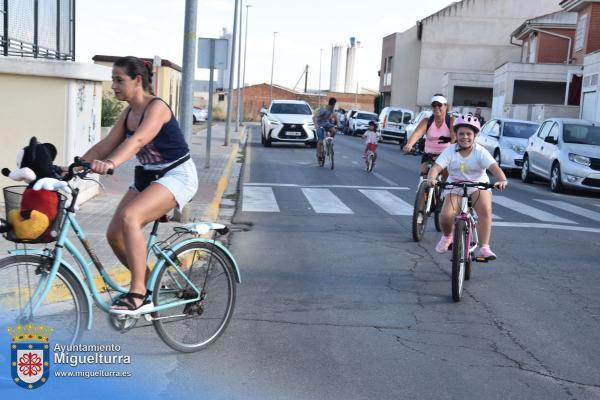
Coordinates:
x,y
168,146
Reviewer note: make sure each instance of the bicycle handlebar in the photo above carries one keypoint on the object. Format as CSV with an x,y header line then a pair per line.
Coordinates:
x,y
481,185
79,163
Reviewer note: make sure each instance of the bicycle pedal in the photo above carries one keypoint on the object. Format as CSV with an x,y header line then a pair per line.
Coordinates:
x,y
480,259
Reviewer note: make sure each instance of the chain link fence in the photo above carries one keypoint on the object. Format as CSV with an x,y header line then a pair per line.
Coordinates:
x,y
38,28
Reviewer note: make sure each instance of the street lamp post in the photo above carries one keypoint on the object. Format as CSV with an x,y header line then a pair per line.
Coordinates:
x,y
320,65
231,69
245,54
272,67
239,70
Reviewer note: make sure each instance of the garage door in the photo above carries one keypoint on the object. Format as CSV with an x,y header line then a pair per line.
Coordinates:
x,y
588,106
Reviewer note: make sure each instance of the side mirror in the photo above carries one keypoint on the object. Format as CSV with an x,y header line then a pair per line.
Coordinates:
x,y
550,139
263,111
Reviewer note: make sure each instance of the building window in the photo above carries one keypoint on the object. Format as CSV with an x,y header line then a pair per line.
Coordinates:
x,y
580,32
221,97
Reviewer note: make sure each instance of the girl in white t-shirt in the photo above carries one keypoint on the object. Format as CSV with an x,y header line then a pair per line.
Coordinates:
x,y
371,139
467,161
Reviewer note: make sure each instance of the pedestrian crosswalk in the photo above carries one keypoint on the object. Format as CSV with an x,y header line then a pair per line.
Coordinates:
x,y
398,201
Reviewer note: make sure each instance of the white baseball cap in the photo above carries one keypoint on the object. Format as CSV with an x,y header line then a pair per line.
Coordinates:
x,y
439,99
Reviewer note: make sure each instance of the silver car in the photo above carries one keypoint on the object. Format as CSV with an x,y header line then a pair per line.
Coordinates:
x,y
566,152
506,140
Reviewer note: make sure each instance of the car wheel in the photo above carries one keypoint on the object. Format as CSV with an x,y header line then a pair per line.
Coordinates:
x,y
497,157
555,180
195,121
525,172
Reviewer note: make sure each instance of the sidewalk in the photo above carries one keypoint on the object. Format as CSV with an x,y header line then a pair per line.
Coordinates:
x,y
214,183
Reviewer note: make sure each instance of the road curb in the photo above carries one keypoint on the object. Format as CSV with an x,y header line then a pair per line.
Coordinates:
x,y
214,207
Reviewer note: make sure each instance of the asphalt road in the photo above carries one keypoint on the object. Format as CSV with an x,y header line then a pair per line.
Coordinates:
x,y
347,306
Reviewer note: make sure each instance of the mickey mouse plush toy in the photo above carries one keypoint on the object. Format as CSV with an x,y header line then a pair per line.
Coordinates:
x,y
39,203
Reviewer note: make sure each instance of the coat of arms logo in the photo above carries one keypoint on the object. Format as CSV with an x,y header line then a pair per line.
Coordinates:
x,y
30,355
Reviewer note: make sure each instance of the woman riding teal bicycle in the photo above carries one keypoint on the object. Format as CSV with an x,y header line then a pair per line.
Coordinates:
x,y
166,178
467,161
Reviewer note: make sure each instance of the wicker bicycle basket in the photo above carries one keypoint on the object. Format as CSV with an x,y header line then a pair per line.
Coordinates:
x,y
12,201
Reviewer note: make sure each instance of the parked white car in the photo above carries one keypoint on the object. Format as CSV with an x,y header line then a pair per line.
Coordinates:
x,y
410,129
566,152
358,122
393,122
506,140
288,121
199,114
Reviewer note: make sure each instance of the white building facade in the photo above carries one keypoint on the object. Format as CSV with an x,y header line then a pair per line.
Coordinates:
x,y
456,51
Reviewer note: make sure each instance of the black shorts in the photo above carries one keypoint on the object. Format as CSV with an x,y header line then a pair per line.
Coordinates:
x,y
429,157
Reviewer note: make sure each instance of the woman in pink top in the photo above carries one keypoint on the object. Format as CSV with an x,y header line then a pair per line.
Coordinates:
x,y
439,132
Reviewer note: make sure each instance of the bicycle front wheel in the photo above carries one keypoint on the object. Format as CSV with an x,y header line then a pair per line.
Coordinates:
x,y
419,218
459,259
194,326
439,203
64,309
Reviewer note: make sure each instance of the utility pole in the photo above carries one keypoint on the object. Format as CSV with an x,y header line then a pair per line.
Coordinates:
x,y
231,69
320,65
306,79
272,67
187,82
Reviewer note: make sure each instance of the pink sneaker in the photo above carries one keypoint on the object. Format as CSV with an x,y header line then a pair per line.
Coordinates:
x,y
443,244
485,252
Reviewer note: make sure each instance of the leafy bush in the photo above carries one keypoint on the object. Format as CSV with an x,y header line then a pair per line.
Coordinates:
x,y
111,108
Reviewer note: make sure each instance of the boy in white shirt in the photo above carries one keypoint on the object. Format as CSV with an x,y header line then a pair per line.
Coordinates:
x,y
467,161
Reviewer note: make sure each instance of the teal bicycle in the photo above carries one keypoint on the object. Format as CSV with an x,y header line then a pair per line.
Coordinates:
x,y
192,284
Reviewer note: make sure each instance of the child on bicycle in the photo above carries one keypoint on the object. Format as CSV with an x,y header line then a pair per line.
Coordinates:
x,y
371,139
467,161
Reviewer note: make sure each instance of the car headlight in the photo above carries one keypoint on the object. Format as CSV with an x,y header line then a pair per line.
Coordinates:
x,y
517,148
273,122
583,160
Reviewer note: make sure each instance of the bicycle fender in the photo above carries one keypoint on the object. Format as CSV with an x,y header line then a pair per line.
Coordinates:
x,y
218,244
74,271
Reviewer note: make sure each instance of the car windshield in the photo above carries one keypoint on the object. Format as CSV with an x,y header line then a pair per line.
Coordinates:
x,y
290,108
583,134
395,116
519,129
367,116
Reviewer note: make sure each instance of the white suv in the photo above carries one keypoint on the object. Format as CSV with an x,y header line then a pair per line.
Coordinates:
x,y
288,121
358,122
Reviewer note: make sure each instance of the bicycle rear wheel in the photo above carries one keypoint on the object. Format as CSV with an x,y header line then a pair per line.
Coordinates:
x,y
370,161
459,259
64,309
419,218
321,157
194,326
330,154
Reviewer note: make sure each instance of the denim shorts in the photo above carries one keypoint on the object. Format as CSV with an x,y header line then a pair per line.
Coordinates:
x,y
182,182
320,133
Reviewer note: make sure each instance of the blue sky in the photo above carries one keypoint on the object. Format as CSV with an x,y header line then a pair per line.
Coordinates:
x,y
155,27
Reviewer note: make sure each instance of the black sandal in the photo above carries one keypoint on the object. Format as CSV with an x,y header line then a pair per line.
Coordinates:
x,y
128,300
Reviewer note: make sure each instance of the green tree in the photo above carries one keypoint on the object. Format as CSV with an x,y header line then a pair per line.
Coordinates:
x,y
111,108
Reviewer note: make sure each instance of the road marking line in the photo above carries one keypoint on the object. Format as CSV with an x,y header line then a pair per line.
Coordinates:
x,y
323,201
390,203
327,186
259,199
529,210
546,226
386,180
563,205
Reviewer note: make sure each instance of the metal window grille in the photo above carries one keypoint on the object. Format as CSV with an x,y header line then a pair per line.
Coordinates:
x,y
38,28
